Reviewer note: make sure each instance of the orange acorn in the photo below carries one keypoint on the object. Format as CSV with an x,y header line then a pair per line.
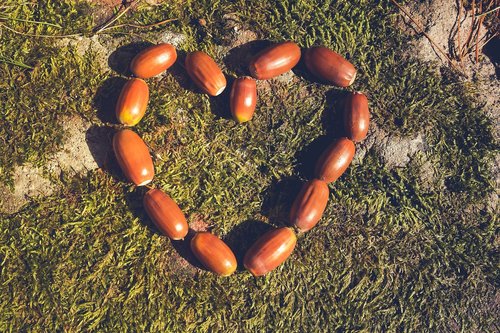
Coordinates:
x,y
213,253
275,60
243,99
335,160
309,205
153,60
133,157
205,73
329,66
356,116
165,214
270,251
132,102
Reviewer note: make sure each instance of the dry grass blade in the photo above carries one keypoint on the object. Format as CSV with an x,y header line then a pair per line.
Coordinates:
x,y
146,26
38,35
422,30
117,16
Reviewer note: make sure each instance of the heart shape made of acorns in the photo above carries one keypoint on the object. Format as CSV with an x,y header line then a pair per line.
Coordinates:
x,y
133,156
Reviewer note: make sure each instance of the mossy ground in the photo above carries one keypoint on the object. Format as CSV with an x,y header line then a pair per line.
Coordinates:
x,y
389,255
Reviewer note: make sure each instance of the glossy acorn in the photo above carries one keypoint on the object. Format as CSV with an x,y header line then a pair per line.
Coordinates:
x,y
205,73
213,253
329,66
132,102
309,205
335,160
165,214
274,60
243,99
270,251
153,60
133,157
356,116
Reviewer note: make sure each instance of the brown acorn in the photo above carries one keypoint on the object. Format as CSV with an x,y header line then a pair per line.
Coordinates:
x,y
213,253
335,160
309,205
275,60
243,99
356,116
133,157
153,60
329,66
132,102
205,73
269,251
165,214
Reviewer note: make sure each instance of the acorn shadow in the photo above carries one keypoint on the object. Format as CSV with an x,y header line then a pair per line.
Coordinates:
x,y
135,204
302,72
492,51
178,71
120,59
106,98
99,140
220,105
238,58
183,248
332,121
278,199
243,236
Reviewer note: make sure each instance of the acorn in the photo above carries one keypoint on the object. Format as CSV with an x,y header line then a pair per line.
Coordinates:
x,y
132,102
356,116
213,253
335,160
274,60
153,60
309,205
329,66
165,214
133,157
243,99
205,73
269,251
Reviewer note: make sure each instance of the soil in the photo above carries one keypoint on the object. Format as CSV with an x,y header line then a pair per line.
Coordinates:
x,y
439,17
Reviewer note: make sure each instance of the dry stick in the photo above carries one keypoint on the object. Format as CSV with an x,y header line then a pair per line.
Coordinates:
x,y
427,35
488,12
487,40
471,33
117,16
481,19
139,26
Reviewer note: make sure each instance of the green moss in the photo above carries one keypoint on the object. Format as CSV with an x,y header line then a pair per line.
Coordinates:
x,y
389,255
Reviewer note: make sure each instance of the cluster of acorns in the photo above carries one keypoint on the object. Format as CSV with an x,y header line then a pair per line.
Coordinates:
x,y
132,154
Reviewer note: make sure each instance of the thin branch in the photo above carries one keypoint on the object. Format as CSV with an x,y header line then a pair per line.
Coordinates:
x,y
488,12
117,16
426,35
480,23
471,32
138,26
